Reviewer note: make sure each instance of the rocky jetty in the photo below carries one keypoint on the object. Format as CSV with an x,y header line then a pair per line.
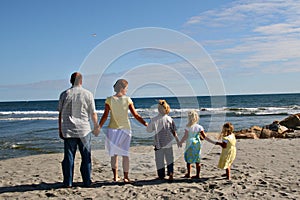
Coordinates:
x,y
287,128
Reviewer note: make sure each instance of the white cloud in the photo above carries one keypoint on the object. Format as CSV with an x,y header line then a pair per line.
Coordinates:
x,y
252,34
251,11
280,28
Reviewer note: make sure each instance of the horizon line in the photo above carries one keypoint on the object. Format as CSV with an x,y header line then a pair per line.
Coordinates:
x,y
243,94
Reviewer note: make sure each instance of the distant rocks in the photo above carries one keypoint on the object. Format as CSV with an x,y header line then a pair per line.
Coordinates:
x,y
291,122
287,128
251,133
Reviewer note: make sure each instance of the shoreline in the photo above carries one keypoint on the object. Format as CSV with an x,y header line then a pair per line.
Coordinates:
x,y
262,169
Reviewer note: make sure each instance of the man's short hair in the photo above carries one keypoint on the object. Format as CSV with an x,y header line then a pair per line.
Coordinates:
x,y
76,78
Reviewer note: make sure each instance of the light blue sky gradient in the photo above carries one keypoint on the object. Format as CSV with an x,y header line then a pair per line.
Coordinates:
x,y
255,44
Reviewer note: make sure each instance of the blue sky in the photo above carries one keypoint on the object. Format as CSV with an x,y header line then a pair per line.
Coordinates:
x,y
254,44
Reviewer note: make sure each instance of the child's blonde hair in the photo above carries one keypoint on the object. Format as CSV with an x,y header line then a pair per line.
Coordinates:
x,y
227,129
163,107
193,118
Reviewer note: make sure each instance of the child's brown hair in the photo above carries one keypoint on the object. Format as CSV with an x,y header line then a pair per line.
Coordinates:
x,y
227,129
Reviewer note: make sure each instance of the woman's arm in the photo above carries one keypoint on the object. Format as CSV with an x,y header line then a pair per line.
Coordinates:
x,y
150,127
104,116
136,115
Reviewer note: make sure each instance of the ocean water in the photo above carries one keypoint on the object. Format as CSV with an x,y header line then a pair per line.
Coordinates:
x,y
30,127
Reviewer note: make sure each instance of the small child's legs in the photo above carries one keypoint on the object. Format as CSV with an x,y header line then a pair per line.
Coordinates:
x,y
189,167
160,165
228,173
160,156
197,171
170,162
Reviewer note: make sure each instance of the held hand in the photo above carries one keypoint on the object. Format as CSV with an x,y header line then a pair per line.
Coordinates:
x,y
179,144
61,135
96,130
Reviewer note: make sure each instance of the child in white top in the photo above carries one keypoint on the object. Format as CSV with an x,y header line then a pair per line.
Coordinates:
x,y
165,130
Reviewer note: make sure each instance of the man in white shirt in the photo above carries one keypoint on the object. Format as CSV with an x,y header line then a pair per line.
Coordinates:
x,y
76,108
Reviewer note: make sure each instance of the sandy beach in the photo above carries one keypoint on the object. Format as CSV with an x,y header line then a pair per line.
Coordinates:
x,y
263,169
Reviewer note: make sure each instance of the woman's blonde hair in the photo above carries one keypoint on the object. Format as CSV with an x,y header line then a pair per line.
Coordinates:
x,y
163,107
227,129
120,84
193,118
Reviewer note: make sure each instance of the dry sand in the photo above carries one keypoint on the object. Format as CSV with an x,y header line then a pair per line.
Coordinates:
x,y
263,169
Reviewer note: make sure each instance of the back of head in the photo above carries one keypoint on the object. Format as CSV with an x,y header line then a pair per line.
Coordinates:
x,y
163,107
227,129
193,118
120,84
76,78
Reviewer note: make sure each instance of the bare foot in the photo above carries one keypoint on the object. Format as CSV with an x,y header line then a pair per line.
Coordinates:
x,y
116,179
186,176
195,177
127,180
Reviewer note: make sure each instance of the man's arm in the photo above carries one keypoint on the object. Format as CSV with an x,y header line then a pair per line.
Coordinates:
x,y
96,129
59,126
95,120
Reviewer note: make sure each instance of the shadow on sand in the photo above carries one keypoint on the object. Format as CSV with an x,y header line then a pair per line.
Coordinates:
x,y
50,186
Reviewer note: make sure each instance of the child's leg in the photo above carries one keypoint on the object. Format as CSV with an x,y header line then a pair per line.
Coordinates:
x,y
126,168
198,167
189,167
170,162
114,166
228,173
160,165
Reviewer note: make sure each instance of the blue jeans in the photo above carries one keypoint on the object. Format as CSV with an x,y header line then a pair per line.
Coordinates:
x,y
160,156
70,147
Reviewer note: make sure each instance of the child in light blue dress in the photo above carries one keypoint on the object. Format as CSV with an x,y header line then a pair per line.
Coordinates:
x,y
193,135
